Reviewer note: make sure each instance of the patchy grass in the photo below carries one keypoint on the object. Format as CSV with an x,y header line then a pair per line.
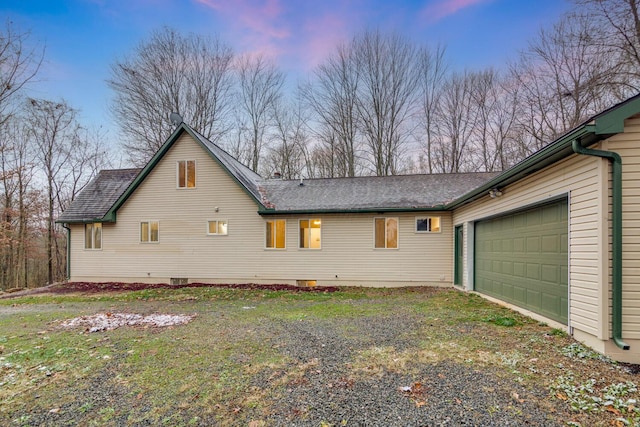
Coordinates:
x,y
228,365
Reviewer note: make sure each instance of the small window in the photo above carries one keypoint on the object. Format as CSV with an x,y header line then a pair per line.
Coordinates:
x,y
429,224
93,236
386,233
217,227
275,233
149,231
186,174
310,233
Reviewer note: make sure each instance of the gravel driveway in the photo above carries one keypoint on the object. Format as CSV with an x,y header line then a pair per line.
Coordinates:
x,y
329,370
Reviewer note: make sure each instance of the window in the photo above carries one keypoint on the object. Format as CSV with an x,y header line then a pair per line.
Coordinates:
x,y
429,224
276,234
186,174
93,236
149,231
217,227
310,233
386,233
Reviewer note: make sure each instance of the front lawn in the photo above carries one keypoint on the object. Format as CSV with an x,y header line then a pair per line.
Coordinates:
x,y
256,357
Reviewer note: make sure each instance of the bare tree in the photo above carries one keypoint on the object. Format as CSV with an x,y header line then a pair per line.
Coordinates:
x,y
333,98
617,30
190,75
19,64
388,81
288,154
563,79
432,68
457,120
497,110
53,129
260,89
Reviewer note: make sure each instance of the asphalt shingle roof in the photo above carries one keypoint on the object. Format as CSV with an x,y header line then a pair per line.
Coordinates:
x,y
95,200
372,192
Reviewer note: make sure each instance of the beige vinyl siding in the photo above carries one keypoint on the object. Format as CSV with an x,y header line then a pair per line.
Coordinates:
x,y
184,250
627,144
582,179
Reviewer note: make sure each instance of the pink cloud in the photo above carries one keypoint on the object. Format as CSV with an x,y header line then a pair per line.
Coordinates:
x,y
322,35
259,17
440,9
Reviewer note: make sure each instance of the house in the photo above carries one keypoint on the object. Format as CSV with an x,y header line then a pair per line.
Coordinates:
x,y
557,236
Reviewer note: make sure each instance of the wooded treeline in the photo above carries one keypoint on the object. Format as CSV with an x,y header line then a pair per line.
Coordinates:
x,y
380,104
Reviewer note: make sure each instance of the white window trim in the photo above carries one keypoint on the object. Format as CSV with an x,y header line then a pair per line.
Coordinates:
x,y
93,243
218,234
149,242
309,248
385,233
195,164
427,231
264,239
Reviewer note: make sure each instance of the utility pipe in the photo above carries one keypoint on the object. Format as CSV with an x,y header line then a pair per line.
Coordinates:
x,y
616,242
66,227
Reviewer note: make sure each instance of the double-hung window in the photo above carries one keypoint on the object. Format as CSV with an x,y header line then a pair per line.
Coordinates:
x,y
149,232
429,224
386,233
186,171
93,236
275,234
310,233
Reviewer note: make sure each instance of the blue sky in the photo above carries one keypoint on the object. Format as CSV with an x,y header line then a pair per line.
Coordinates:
x,y
84,37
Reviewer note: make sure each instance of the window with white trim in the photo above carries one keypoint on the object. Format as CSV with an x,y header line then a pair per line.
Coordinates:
x,y
275,234
428,224
93,236
149,232
186,173
310,233
386,233
217,227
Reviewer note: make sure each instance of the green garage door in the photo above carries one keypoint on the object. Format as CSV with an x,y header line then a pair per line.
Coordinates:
x,y
521,258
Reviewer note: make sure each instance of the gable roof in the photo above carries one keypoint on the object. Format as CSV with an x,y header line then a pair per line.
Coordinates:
x,y
95,200
245,177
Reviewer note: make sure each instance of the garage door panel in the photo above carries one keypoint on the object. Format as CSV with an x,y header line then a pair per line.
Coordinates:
x,y
521,258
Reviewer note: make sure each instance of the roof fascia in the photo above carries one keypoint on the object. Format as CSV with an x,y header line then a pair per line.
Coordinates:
x,y
84,221
612,122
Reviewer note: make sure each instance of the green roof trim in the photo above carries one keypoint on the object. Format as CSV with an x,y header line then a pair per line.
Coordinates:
x,y
110,216
439,208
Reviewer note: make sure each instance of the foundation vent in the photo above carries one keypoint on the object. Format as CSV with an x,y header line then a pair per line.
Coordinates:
x,y
306,283
179,281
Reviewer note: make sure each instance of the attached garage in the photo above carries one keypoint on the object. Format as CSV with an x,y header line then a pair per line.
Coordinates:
x,y
522,258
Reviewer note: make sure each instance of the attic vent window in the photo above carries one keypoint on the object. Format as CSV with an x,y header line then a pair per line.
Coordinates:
x,y
186,171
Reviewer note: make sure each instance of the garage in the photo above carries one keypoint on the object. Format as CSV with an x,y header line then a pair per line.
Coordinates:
x,y
522,258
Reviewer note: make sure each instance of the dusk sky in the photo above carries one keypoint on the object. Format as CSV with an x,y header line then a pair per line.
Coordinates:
x,y
84,37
